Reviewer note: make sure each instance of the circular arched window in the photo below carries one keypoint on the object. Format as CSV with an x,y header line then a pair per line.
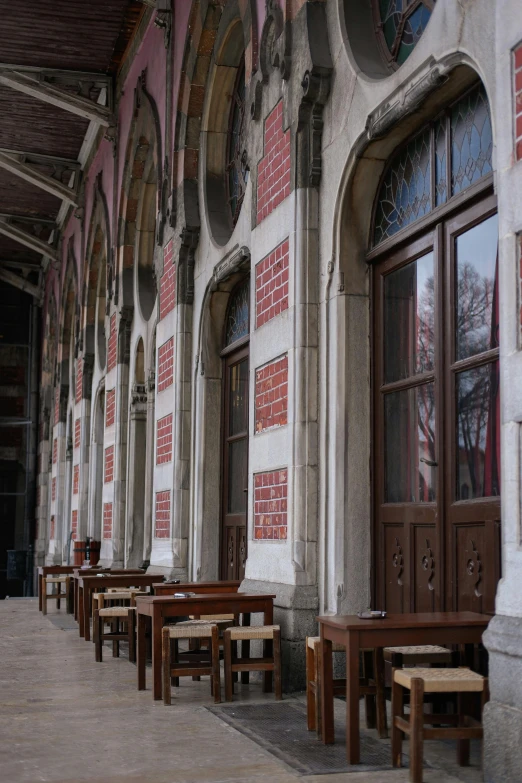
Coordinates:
x,y
237,171
399,25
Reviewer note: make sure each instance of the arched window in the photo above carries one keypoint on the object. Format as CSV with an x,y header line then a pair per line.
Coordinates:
x,y
399,26
237,171
436,396
456,148
238,321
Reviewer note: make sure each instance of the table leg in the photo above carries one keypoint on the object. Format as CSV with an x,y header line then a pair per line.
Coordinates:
x,y
352,697
142,625
76,602
326,698
79,604
87,614
157,625
40,578
268,646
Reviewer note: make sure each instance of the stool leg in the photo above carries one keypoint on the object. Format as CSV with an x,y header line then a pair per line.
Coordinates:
x,y
58,591
463,744
174,681
166,666
216,683
98,630
132,636
278,685
245,651
318,692
115,643
227,649
397,711
310,697
417,729
380,697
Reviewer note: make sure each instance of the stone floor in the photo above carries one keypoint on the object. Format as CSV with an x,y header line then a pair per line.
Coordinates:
x,y
66,719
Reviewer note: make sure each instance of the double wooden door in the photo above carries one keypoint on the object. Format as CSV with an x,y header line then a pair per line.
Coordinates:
x,y
436,419
235,465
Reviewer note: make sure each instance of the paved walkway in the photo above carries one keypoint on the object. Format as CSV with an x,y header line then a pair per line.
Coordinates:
x,y
65,719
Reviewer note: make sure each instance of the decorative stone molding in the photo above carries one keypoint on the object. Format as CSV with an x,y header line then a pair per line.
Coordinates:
x,y
404,103
88,369
151,382
237,261
139,397
124,334
64,401
316,89
185,273
275,52
163,19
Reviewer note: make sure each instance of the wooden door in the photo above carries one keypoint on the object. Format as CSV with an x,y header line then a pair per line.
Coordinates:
x,y
235,465
436,418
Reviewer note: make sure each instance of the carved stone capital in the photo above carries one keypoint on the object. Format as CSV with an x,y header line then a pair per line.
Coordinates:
x,y
124,334
139,397
64,401
185,277
88,369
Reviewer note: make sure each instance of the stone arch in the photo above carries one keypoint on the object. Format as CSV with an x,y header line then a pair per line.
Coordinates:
x,y
205,22
96,285
139,203
346,428
69,322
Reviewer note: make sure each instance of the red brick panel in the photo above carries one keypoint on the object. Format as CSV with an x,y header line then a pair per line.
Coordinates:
x,y
53,489
273,171
162,523
271,401
76,479
74,525
166,365
518,100
109,464
164,440
79,381
77,433
270,505
107,520
168,281
55,450
272,284
57,405
53,526
110,407
113,344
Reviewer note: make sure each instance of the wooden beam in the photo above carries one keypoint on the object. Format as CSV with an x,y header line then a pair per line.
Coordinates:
x,y
45,160
31,174
21,283
56,96
30,241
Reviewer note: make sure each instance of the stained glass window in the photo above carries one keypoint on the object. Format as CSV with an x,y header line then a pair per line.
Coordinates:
x,y
400,24
463,136
237,170
237,323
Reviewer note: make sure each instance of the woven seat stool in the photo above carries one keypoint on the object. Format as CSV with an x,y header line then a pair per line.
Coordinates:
x,y
462,727
101,600
123,628
173,669
371,686
270,662
58,595
413,655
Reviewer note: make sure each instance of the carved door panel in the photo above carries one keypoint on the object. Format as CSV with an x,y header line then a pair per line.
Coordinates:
x,y
235,465
436,419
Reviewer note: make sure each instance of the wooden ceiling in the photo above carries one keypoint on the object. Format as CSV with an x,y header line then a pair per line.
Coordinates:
x,y
58,61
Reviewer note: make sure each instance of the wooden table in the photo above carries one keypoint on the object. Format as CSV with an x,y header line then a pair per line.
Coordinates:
x,y
87,585
78,571
394,630
56,570
163,588
158,608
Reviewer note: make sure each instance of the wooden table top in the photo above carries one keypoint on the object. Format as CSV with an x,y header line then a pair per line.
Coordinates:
x,y
107,579
351,622
146,603
187,586
57,569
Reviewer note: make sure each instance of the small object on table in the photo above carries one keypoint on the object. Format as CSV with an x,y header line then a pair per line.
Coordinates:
x,y
371,615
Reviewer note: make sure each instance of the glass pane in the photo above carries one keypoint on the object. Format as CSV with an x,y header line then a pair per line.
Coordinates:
x,y
410,467
409,320
471,140
237,325
405,193
414,27
238,398
478,432
401,27
476,259
237,476
441,179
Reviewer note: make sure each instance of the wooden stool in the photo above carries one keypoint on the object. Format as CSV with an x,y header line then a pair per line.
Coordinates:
x,y
413,655
113,614
173,669
55,580
371,686
102,600
418,682
270,662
